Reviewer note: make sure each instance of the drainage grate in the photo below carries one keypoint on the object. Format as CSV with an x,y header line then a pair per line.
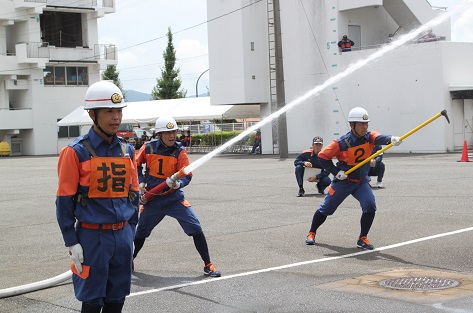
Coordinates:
x,y
419,283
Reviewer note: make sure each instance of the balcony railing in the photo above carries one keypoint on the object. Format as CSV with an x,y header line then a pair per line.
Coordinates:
x,y
37,50
33,52
105,52
16,118
77,3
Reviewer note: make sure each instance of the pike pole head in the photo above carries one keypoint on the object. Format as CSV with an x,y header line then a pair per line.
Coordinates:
x,y
444,113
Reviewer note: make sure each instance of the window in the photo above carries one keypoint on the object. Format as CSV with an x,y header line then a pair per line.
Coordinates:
x,y
74,131
71,75
68,131
48,75
61,29
83,78
65,76
59,75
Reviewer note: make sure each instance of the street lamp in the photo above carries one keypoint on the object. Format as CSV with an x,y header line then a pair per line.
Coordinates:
x,y
197,83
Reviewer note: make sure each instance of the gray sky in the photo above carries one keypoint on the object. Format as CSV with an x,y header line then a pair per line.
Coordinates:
x,y
139,27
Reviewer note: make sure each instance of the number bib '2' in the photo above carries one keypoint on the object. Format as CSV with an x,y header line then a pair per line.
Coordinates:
x,y
357,154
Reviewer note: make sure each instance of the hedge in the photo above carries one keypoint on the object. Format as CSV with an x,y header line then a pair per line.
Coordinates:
x,y
216,138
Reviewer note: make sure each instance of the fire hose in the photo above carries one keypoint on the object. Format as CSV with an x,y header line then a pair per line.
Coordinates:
x,y
14,291
146,197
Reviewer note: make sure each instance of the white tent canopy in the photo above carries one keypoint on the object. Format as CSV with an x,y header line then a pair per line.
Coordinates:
x,y
185,109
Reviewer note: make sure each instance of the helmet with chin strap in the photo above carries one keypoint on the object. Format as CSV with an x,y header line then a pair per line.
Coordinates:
x,y
165,124
104,94
358,115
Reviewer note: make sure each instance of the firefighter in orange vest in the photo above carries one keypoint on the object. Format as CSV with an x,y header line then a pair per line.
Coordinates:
x,y
345,44
97,204
164,156
351,149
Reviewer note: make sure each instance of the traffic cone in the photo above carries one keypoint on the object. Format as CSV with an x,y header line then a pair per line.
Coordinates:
x,y
464,154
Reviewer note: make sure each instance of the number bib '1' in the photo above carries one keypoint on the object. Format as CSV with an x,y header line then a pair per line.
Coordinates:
x,y
161,166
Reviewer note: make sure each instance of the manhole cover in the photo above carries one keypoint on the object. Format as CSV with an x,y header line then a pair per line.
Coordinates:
x,y
419,283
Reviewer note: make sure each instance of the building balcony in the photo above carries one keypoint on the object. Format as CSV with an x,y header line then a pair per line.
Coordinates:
x,y
37,6
41,53
16,84
107,6
10,66
32,53
350,4
16,119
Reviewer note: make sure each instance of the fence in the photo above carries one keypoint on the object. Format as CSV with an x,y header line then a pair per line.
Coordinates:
x,y
216,134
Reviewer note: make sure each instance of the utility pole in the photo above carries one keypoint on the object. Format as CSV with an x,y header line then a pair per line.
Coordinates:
x,y
197,83
280,93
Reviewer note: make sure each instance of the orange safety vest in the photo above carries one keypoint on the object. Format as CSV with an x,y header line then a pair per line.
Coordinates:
x,y
345,44
109,176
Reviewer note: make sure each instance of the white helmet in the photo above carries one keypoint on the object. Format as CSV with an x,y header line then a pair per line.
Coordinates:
x,y
103,94
358,115
165,124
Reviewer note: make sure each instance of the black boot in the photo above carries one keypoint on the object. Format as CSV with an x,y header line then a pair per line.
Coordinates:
x,y
89,308
301,192
139,242
112,307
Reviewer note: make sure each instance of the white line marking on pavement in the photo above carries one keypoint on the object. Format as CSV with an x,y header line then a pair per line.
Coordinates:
x,y
440,306
270,269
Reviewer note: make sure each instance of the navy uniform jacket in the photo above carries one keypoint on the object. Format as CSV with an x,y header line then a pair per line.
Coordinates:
x,y
350,150
309,156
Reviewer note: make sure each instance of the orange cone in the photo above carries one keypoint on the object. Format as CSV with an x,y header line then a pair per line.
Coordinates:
x,y
464,154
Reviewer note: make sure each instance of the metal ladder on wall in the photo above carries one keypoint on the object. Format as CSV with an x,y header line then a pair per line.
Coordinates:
x,y
272,73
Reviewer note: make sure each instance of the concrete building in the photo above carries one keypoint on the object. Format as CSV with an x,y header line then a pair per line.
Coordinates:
x,y
400,90
49,55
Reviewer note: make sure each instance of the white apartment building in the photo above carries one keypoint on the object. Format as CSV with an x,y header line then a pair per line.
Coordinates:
x,y
49,55
401,90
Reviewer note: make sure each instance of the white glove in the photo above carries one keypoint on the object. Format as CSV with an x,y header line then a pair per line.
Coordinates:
x,y
173,184
341,175
395,141
77,256
142,188
143,199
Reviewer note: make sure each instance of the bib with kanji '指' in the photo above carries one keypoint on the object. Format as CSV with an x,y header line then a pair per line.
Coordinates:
x,y
110,177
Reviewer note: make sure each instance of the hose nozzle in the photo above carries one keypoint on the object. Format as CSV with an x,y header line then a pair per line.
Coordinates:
x,y
156,190
181,173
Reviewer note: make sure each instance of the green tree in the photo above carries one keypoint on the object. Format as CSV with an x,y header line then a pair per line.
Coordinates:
x,y
112,74
168,85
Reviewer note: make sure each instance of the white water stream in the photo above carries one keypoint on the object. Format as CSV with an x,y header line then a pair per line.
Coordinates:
x,y
462,8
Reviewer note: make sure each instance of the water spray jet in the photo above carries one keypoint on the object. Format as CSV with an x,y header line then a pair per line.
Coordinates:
x,y
464,6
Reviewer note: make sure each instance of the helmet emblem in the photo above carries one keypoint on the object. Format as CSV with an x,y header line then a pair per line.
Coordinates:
x,y
116,98
169,125
365,117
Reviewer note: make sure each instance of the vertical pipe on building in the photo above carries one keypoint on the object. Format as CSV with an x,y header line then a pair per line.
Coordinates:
x,y
280,93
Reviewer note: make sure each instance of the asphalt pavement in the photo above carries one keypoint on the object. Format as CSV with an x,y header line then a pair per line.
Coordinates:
x,y
256,227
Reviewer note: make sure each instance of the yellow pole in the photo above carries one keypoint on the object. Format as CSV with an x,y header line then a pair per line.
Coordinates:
x,y
430,120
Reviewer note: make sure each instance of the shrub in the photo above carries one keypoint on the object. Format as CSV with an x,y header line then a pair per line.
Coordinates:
x,y
216,138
